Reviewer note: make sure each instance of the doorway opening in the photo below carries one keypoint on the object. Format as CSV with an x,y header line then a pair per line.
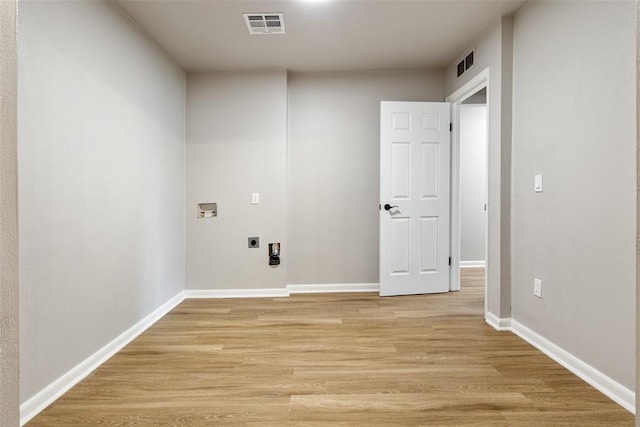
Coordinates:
x,y
473,181
470,258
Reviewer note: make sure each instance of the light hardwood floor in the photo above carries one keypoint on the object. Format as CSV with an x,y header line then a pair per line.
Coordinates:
x,y
332,360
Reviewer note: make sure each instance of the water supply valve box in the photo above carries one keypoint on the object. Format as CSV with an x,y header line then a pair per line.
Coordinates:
x,y
207,210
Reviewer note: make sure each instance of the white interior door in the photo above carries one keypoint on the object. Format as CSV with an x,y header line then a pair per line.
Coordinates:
x,y
414,197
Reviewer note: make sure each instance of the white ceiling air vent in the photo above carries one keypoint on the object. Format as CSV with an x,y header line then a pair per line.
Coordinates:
x,y
264,23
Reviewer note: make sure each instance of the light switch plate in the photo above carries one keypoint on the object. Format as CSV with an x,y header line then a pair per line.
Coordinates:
x,y
537,288
537,186
255,198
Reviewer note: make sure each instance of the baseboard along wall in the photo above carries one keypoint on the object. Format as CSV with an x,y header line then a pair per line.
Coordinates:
x,y
236,293
333,288
33,406
57,388
472,264
601,382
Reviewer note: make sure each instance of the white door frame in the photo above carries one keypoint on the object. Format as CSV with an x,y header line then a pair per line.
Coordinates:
x,y
481,80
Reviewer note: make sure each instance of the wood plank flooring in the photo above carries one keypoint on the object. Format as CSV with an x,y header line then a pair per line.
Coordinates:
x,y
332,360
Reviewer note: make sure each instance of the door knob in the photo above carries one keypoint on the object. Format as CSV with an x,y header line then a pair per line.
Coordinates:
x,y
387,206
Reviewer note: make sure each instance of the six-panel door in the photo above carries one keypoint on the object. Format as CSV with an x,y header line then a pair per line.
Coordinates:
x,y
414,178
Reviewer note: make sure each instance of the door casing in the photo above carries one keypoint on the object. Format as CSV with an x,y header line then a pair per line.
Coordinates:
x,y
481,80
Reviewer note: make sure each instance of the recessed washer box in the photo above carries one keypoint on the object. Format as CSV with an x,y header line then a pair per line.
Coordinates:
x,y
207,210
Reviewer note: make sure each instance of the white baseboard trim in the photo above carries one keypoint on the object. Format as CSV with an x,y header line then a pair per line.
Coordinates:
x,y
497,323
333,288
60,386
29,409
282,292
472,264
606,385
53,391
236,293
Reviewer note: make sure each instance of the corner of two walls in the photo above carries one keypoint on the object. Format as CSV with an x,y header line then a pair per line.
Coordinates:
x,y
637,211
236,145
561,105
9,339
309,144
101,184
490,53
574,122
326,230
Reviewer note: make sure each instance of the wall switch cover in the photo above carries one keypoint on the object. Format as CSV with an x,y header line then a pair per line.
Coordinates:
x,y
255,198
537,288
537,187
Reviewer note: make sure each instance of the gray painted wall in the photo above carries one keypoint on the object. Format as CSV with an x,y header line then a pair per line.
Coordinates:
x,y
101,148
574,122
492,41
333,169
473,186
494,51
236,145
9,368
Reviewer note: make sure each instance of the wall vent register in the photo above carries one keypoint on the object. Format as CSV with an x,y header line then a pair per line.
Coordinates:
x,y
264,23
465,63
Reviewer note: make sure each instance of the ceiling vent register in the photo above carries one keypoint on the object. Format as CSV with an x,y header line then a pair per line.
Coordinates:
x,y
264,23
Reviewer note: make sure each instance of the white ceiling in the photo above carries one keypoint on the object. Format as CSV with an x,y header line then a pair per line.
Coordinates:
x,y
335,35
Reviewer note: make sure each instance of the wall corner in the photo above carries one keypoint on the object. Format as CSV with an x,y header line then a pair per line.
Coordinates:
x,y
637,389
9,332
506,130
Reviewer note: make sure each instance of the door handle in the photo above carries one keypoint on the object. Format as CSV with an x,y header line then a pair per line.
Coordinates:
x,y
387,207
